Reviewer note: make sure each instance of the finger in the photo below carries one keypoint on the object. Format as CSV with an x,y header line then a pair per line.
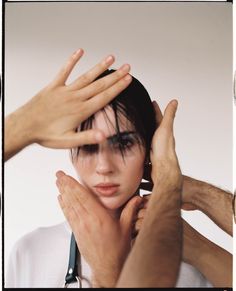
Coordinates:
x,y
128,213
68,212
99,101
169,115
74,139
83,195
146,186
138,225
68,67
158,112
61,202
60,174
92,74
90,136
102,84
69,194
141,213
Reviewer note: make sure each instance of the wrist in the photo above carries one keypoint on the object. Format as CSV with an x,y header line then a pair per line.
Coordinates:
x,y
167,182
105,279
197,193
18,132
191,190
99,281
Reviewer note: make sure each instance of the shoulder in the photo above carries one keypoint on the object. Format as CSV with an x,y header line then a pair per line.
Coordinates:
x,y
189,276
40,258
43,237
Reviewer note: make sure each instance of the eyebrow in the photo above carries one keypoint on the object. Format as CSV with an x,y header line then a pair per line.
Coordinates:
x,y
114,137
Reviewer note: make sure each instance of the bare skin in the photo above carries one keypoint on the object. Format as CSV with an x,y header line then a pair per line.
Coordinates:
x,y
213,201
84,213
103,240
161,234
213,261
51,117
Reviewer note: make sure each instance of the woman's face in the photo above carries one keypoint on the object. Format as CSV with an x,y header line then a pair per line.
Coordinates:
x,y
103,170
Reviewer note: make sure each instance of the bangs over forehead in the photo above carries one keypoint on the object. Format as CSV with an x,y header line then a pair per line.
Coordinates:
x,y
133,103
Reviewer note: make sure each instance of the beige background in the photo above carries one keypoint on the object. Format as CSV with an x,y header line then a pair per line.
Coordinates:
x,y
177,50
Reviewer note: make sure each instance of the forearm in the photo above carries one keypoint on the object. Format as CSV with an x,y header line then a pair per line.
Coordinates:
x,y
105,279
212,261
214,202
158,245
18,132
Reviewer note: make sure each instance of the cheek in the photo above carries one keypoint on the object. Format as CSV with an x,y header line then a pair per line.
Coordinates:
x,y
133,172
84,167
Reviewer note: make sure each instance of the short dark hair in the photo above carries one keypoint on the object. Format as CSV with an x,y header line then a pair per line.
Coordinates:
x,y
135,104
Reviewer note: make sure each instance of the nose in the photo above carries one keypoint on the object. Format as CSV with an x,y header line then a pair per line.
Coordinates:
x,y
104,165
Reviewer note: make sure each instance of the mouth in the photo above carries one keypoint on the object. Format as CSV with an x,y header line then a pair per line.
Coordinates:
x,y
106,189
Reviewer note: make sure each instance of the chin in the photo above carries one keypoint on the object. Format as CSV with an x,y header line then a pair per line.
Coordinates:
x,y
112,203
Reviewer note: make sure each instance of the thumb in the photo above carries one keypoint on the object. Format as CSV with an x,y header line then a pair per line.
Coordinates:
x,y
169,115
128,213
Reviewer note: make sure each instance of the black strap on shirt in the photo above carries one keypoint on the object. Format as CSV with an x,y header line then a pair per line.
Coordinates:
x,y
74,262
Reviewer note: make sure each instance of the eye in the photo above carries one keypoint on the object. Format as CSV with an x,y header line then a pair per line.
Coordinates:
x,y
89,148
124,143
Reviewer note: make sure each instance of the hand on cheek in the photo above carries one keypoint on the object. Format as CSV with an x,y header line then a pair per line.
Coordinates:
x,y
103,241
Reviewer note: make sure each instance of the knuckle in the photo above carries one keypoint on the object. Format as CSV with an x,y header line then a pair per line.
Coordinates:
x,y
138,224
141,213
106,94
86,78
100,85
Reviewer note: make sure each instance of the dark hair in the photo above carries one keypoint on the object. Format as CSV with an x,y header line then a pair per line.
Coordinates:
x,y
135,104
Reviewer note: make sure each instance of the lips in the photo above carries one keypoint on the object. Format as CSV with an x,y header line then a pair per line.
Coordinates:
x,y
107,189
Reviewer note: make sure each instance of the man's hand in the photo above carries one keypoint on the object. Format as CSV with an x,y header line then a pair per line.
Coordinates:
x,y
163,156
104,241
52,116
160,238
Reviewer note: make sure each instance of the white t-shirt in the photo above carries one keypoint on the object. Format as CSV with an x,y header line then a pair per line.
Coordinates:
x,y
40,259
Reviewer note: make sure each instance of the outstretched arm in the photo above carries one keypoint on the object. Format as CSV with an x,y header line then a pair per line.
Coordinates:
x,y
217,204
51,117
211,260
155,257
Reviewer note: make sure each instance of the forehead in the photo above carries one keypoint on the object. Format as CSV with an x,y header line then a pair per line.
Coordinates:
x,y
105,121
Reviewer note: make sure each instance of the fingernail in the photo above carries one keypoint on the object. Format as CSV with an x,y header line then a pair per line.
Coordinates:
x,y
175,102
78,52
125,67
60,174
109,59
